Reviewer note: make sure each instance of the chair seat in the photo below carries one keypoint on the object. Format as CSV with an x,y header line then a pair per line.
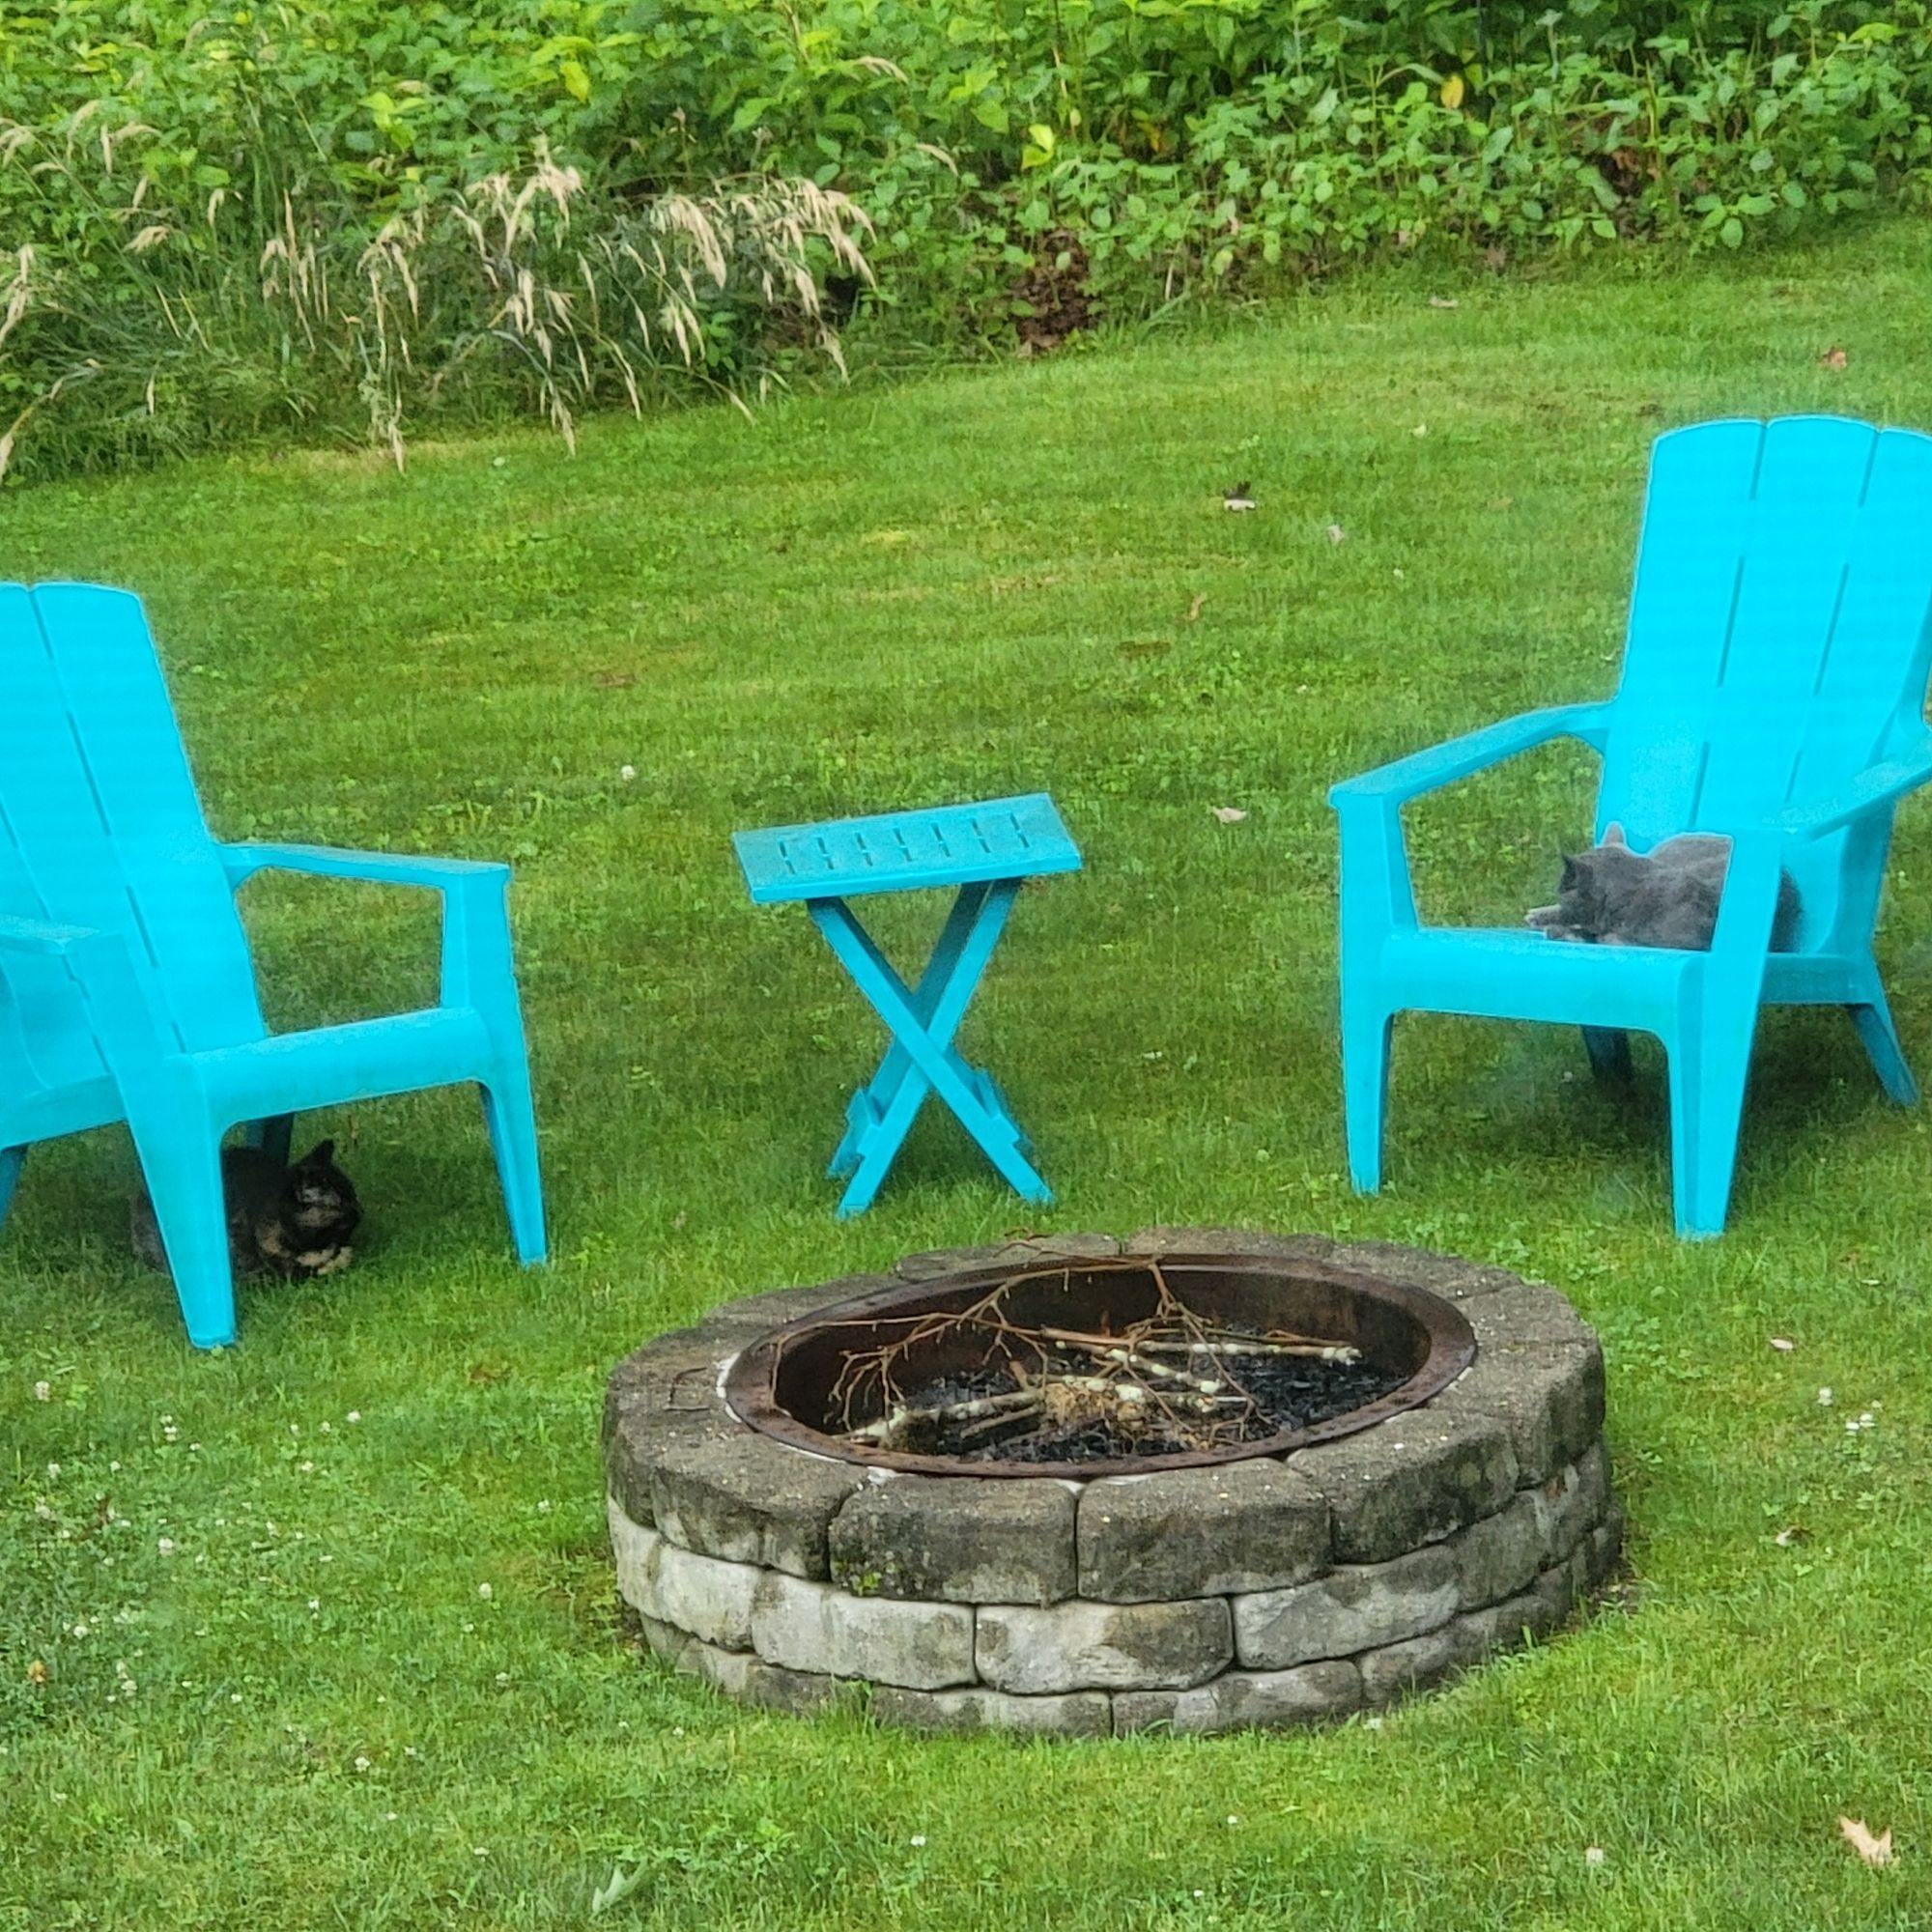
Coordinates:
x,y
292,1072
1500,973
1504,974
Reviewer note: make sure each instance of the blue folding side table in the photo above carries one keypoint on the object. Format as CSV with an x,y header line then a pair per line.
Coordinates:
x,y
986,851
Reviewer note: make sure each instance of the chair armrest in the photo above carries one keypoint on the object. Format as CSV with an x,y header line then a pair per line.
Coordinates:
x,y
475,904
390,868
43,937
1877,787
1462,757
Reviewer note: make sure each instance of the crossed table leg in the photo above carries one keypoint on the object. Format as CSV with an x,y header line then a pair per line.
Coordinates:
x,y
921,1059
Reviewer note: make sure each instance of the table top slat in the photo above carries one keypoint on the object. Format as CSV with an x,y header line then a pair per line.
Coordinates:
x,y
903,851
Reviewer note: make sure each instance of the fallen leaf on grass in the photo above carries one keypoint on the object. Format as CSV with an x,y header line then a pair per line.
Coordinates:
x,y
1875,1852
37,1672
1238,499
1443,301
1502,503
1783,1344
1194,608
1833,357
614,680
1337,534
1792,1532
1230,814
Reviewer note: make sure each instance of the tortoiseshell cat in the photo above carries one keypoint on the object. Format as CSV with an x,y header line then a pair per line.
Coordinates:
x,y
296,1222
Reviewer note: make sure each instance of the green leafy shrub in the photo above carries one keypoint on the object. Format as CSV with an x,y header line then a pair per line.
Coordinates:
x,y
1026,164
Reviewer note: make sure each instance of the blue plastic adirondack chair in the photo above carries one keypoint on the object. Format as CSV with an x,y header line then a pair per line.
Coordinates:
x,y
126,987
1773,688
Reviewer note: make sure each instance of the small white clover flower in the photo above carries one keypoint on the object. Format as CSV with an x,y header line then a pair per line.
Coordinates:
x,y
1593,1855
484,1591
918,1840
44,1391
361,1764
353,1415
1824,1398
167,1545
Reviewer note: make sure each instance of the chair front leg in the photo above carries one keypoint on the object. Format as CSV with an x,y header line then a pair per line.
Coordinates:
x,y
1377,901
479,972
1719,1012
11,1160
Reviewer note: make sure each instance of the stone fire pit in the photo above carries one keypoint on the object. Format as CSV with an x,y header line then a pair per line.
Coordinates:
x,y
1299,1578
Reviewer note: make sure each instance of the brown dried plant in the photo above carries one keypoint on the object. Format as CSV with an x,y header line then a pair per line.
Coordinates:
x,y
535,284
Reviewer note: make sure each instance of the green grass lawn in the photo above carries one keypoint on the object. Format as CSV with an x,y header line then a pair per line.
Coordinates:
x,y
383,1680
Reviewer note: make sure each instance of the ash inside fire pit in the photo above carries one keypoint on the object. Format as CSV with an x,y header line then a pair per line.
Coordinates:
x,y
1166,1386
1150,1362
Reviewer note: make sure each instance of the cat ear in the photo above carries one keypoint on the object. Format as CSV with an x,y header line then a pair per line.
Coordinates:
x,y
1614,833
321,1155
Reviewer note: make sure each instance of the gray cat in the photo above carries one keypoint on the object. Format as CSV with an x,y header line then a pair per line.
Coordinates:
x,y
291,1221
1610,896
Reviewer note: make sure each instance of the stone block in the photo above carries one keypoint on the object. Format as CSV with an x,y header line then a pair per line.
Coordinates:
x,y
1284,1248
958,1539
1245,1700
1527,1617
728,1670
1602,1548
1450,1276
675,1369
801,1694
750,1498
633,1545
1078,1714
1017,1256
699,1594
1078,1646
1498,1554
748,1679
745,1321
663,1397
1349,1610
1187,1533
1572,1502
1410,1480
1235,1527
812,1627
1549,1396
1523,1311
666,1643
1398,1668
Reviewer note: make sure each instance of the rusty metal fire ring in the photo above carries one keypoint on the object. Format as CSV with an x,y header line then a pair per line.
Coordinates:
x,y
787,1375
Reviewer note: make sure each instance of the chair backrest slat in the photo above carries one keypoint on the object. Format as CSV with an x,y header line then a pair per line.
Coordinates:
x,y
100,825
1778,636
